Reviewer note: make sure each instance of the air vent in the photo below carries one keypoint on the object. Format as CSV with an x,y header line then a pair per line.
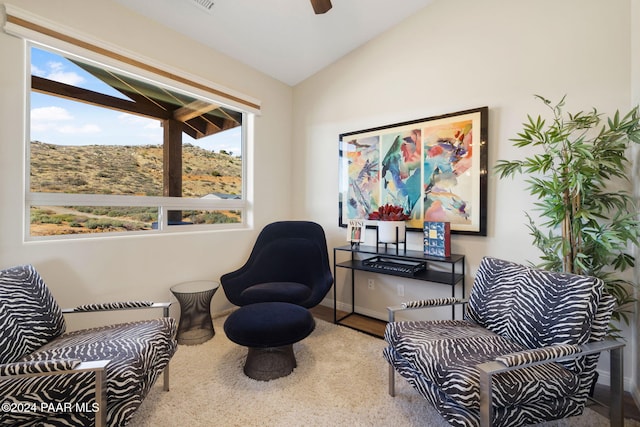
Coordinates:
x,y
207,5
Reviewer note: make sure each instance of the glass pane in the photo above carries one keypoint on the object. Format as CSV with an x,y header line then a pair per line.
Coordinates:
x,y
210,174
204,217
95,168
59,220
95,130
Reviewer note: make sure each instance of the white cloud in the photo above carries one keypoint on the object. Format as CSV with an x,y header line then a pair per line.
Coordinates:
x,y
88,128
69,78
49,114
57,73
138,121
49,119
153,124
40,127
145,129
37,71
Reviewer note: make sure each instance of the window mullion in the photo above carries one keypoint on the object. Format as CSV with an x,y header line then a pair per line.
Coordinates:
x,y
65,199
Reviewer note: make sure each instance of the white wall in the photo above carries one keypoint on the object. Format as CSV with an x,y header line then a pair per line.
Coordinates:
x,y
106,269
451,56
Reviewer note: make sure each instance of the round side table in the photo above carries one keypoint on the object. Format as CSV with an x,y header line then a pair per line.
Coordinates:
x,y
195,326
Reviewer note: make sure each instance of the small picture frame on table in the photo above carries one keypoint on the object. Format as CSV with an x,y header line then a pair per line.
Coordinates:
x,y
355,232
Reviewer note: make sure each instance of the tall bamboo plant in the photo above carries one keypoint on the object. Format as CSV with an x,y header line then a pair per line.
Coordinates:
x,y
586,223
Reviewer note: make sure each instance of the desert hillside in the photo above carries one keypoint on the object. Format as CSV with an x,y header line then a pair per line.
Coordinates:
x,y
111,169
122,170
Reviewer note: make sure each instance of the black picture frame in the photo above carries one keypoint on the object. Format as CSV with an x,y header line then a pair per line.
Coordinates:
x,y
435,168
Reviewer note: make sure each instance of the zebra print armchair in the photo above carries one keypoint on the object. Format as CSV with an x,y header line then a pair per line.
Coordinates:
x,y
95,376
526,351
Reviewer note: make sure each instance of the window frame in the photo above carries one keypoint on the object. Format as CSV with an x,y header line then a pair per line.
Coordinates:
x,y
163,204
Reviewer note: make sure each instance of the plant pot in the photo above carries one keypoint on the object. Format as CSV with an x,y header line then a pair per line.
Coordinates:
x,y
387,231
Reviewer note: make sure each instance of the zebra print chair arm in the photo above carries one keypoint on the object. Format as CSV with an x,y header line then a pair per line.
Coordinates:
x,y
426,303
526,357
515,361
38,367
123,305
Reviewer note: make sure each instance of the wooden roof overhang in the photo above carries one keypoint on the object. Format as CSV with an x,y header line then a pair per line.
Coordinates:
x,y
199,118
178,113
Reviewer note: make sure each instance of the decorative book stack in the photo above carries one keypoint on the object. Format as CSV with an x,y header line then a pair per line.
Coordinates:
x,y
437,239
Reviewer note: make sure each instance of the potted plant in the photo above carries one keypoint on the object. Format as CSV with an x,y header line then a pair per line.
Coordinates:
x,y
586,221
391,223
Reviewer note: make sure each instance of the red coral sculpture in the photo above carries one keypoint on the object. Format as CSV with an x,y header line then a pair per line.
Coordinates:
x,y
389,213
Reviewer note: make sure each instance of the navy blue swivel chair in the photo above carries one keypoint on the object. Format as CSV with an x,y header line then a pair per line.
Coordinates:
x,y
289,263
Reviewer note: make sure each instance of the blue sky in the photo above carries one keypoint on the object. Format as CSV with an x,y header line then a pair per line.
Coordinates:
x,y
59,121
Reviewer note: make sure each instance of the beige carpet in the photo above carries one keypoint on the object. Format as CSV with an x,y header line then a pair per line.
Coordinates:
x,y
341,380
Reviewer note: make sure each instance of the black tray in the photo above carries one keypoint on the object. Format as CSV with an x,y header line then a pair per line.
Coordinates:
x,y
393,265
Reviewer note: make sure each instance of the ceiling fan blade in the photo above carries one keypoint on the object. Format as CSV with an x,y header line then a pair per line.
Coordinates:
x,y
321,6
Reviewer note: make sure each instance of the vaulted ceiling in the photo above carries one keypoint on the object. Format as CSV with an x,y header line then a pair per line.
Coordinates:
x,y
282,38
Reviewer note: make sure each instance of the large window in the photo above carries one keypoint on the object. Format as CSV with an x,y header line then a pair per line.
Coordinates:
x,y
112,152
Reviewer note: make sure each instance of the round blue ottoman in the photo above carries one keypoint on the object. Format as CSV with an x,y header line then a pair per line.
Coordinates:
x,y
269,330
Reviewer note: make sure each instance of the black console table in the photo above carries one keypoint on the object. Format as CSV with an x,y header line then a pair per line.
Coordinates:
x,y
445,271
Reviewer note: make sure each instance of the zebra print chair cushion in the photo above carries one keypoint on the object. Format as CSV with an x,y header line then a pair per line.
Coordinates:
x,y
512,310
29,315
533,307
138,353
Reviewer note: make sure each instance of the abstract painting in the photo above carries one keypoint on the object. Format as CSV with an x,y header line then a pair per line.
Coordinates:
x,y
435,168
